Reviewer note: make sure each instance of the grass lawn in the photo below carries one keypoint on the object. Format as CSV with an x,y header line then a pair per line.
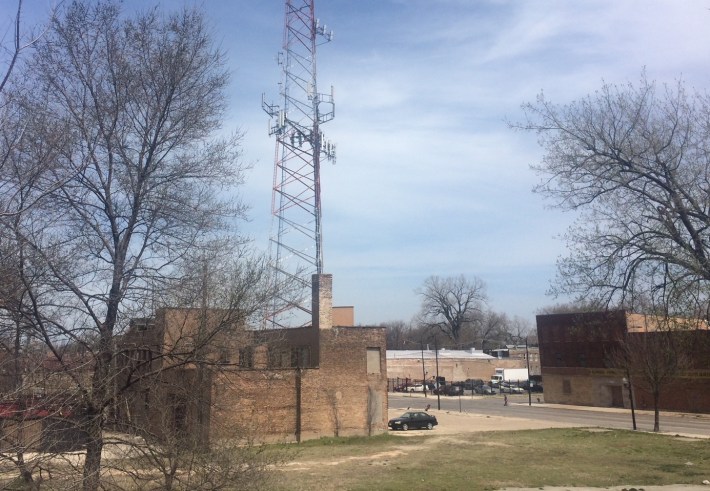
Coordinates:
x,y
493,460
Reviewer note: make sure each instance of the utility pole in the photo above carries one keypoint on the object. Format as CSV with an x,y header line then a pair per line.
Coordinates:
x,y
296,246
438,392
527,359
421,344
629,386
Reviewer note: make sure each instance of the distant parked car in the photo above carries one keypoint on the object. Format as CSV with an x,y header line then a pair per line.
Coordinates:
x,y
511,389
472,383
412,420
415,388
454,390
536,388
449,390
484,389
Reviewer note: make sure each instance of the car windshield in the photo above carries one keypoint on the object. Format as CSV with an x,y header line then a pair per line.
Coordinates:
x,y
407,415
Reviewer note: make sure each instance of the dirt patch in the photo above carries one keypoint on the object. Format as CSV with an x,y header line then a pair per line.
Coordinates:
x,y
382,457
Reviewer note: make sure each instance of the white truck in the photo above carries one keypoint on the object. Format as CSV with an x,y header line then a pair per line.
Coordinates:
x,y
510,375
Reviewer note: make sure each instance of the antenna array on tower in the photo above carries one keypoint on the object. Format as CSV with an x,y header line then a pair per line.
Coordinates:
x,y
296,247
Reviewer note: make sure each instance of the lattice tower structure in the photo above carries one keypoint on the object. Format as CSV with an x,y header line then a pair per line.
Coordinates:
x,y
296,244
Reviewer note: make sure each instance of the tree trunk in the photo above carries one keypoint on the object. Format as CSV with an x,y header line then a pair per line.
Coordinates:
x,y
95,417
94,446
656,402
26,473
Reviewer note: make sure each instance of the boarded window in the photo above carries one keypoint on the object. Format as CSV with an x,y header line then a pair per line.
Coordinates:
x,y
178,405
224,358
566,387
279,357
246,357
300,356
373,360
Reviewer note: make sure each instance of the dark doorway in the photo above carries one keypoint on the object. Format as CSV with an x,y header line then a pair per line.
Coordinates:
x,y
617,398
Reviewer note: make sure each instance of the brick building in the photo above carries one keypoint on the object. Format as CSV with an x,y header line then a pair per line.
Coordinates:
x,y
576,366
277,385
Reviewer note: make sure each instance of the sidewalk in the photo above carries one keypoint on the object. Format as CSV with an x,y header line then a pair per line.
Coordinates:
x,y
514,401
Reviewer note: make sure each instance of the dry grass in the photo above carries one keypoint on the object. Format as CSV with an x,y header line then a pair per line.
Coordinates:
x,y
494,460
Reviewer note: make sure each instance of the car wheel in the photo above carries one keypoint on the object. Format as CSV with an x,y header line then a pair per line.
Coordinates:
x,y
429,426
405,427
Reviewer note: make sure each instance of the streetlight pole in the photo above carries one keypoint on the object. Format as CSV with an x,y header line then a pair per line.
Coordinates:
x,y
627,382
421,344
527,359
628,379
438,392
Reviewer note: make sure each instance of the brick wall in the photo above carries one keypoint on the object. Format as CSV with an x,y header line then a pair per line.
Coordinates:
x,y
322,301
584,387
339,390
355,399
338,397
574,353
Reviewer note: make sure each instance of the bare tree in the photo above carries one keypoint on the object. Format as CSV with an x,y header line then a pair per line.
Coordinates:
x,y
164,384
492,331
632,160
449,304
127,108
12,54
12,118
652,359
519,330
398,334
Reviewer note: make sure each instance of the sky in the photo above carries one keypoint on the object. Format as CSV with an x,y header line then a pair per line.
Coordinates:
x,y
430,179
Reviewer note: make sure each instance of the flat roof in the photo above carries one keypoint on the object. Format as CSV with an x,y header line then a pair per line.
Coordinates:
x,y
444,354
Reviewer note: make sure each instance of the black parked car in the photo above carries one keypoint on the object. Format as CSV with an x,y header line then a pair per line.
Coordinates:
x,y
412,420
472,383
449,390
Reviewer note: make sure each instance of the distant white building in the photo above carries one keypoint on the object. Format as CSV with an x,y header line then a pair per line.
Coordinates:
x,y
453,365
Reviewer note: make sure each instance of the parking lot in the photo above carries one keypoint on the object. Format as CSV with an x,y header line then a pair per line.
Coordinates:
x,y
451,421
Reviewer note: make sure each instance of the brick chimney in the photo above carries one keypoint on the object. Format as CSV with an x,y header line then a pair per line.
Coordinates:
x,y
322,301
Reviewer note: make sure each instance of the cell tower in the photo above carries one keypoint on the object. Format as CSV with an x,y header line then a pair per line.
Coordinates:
x,y
296,247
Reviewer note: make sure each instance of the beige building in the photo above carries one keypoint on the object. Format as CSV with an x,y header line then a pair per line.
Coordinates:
x,y
453,365
280,384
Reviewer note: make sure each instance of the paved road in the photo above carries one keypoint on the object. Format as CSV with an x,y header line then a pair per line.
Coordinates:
x,y
680,423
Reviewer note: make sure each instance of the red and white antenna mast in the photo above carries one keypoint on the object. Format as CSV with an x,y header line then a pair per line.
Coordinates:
x,y
296,245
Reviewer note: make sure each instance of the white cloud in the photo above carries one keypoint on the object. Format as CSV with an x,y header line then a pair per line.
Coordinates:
x,y
429,179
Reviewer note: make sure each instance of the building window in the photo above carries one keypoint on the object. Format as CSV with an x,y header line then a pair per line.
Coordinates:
x,y
582,360
300,356
558,359
178,407
373,360
246,357
224,356
279,357
566,387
